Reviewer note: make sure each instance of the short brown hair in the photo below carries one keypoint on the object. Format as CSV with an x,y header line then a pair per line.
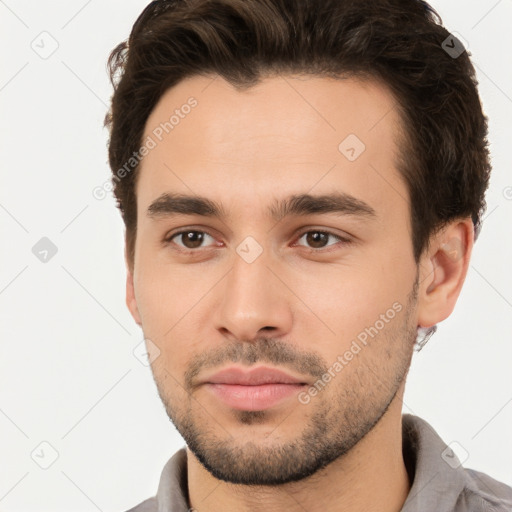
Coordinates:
x,y
444,157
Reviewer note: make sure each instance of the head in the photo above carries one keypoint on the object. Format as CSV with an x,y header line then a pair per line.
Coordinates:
x,y
330,163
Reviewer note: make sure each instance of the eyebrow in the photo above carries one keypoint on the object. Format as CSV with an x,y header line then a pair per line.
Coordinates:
x,y
169,205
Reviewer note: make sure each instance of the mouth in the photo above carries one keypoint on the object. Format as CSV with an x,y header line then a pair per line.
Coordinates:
x,y
255,390
253,398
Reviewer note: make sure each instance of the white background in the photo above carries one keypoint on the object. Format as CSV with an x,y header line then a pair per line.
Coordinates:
x,y
67,369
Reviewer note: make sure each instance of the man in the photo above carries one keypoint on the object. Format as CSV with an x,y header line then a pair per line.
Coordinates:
x,y
302,184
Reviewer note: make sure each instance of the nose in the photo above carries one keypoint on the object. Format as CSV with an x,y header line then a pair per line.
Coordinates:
x,y
254,301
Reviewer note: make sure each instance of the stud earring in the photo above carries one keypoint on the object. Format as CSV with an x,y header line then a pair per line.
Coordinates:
x,y
424,334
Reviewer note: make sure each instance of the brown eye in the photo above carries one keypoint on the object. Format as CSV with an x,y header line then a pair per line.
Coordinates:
x,y
319,239
189,239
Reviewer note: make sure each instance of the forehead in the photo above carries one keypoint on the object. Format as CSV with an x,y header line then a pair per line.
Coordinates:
x,y
293,134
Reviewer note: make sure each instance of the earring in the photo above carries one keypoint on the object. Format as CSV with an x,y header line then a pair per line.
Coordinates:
x,y
424,334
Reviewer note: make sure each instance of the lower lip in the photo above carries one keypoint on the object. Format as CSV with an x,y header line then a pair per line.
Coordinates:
x,y
253,398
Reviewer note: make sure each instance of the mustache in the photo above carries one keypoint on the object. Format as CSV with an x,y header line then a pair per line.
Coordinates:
x,y
261,350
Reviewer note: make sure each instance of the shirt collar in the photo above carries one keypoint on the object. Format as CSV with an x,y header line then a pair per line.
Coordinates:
x,y
437,476
173,487
436,473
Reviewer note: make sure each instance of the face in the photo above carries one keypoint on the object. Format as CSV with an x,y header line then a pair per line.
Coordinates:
x,y
297,256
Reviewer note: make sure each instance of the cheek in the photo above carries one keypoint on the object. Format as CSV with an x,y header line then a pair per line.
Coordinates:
x,y
350,295
360,305
161,291
155,302
168,302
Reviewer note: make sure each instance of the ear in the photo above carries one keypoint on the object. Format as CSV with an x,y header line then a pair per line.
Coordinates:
x,y
131,301
443,271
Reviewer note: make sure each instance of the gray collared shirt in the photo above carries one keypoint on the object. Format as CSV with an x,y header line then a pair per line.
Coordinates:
x,y
439,482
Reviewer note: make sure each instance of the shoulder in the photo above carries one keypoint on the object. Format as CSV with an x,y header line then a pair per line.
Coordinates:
x,y
172,493
149,505
484,493
439,480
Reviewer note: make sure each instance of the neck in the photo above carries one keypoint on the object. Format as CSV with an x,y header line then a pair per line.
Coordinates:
x,y
371,477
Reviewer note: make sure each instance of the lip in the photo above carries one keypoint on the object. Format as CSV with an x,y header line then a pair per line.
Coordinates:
x,y
254,390
255,377
253,398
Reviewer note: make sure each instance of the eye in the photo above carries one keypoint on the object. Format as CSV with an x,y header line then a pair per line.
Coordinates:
x,y
319,238
191,239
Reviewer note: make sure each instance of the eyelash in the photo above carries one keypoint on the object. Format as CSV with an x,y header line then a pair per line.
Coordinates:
x,y
345,241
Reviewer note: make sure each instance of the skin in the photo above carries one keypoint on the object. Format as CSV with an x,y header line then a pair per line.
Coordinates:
x,y
300,303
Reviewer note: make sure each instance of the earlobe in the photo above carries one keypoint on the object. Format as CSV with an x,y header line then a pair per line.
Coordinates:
x,y
444,271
